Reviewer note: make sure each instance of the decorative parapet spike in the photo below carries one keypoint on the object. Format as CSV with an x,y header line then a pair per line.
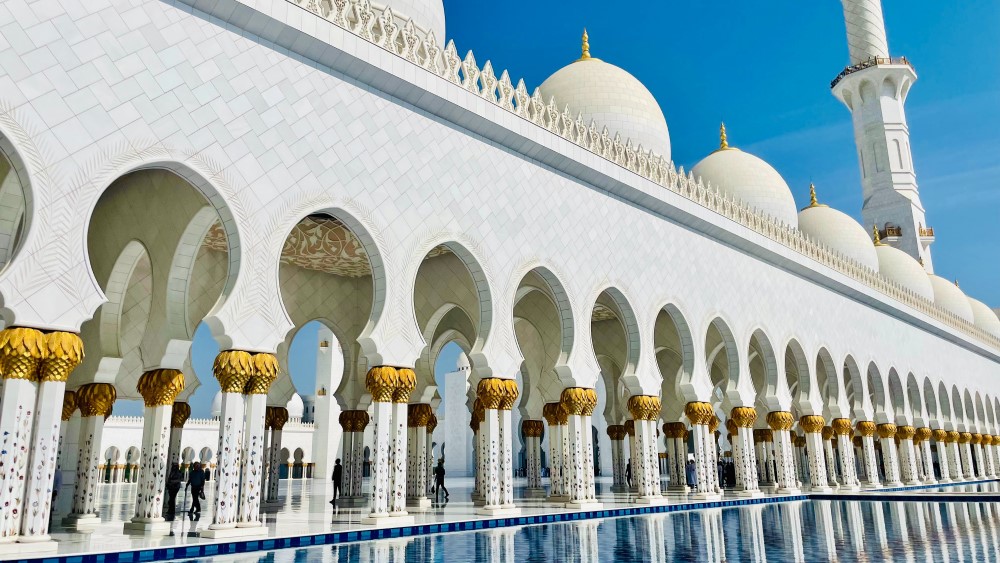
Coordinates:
x,y
360,18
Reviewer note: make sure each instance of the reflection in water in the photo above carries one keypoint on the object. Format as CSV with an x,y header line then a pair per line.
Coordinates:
x,y
794,531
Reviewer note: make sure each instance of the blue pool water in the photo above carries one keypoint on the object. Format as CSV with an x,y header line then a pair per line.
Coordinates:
x,y
797,531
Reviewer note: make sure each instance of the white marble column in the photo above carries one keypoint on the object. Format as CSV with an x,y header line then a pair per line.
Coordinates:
x,y
632,465
478,416
784,452
179,414
490,432
988,452
497,397
505,460
744,456
279,417
676,438
831,460
17,414
867,430
926,456
397,498
813,427
579,402
907,455
158,388
645,409
381,383
429,476
845,449
95,401
965,447
890,457
233,369
533,430
556,418
955,457
616,432
977,451
418,417
252,468
700,414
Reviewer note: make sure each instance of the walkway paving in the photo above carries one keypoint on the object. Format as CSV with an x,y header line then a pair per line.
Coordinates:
x,y
306,511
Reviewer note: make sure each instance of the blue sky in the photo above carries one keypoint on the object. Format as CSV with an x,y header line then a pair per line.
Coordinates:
x,y
765,68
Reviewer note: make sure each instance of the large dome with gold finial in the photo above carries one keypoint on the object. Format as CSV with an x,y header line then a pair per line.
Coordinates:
x,y
610,97
901,269
747,178
837,231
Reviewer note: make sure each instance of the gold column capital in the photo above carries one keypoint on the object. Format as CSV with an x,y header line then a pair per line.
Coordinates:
x,y
699,413
887,430
491,391
381,381
279,418
233,369
64,353
510,395
675,430
828,433
977,438
554,414
406,382
780,420
69,405
731,427
743,417
179,414
713,424
579,401
96,399
842,427
906,432
159,387
432,424
812,423
265,373
22,351
629,427
418,415
866,428
940,435
953,436
535,428
964,437
644,407
857,442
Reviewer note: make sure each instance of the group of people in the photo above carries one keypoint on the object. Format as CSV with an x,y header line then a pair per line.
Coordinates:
x,y
338,481
196,483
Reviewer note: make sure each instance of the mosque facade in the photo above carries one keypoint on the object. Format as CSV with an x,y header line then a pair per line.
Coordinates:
x,y
255,165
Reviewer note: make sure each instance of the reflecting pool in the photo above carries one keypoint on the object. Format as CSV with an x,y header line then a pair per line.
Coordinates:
x,y
796,531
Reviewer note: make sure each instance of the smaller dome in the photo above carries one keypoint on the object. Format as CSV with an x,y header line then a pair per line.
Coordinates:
x,y
749,179
899,267
838,231
296,407
984,317
463,362
948,296
217,405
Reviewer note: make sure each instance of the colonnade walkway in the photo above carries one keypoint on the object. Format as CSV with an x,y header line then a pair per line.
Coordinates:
x,y
305,510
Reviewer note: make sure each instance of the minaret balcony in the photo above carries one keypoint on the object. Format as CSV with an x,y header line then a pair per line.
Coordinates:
x,y
872,62
926,236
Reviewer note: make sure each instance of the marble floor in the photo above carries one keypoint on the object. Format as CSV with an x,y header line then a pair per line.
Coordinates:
x,y
306,510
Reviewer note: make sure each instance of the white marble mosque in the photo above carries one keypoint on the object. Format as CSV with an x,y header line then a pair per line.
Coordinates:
x,y
252,166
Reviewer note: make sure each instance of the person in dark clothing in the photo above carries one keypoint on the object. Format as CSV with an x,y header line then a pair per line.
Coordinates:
x,y
731,474
196,482
338,479
628,473
439,480
173,487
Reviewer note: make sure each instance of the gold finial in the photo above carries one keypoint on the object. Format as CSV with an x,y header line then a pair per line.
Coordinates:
x,y
812,195
586,46
877,238
723,141
956,283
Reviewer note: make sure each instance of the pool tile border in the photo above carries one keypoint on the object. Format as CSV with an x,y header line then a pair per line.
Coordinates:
x,y
352,536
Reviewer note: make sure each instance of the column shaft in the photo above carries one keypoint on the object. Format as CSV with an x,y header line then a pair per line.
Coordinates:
x,y
153,469
229,458
381,474
398,498
274,471
505,465
42,462
252,461
17,413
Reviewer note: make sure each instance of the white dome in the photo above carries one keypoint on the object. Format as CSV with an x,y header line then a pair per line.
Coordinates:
x,y
985,318
427,15
463,362
748,179
839,232
295,406
948,296
217,405
612,98
899,267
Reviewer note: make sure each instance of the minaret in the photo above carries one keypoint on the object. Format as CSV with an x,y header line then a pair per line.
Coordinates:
x,y
874,88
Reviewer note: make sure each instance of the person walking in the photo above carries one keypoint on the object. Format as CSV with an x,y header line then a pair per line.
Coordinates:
x,y
439,480
338,479
196,482
691,474
173,487
628,473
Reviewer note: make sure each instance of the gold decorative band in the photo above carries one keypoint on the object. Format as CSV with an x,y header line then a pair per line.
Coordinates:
x,y
432,424
279,417
977,438
64,353
675,430
906,432
179,414
21,353
713,424
866,428
418,415
265,373
554,414
953,436
940,435
780,420
381,383
159,387
828,433
96,399
887,430
630,427
842,427
233,369
731,427
744,417
491,391
406,382
964,438
617,432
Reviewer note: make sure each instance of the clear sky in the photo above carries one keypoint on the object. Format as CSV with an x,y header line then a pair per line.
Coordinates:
x,y
765,68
